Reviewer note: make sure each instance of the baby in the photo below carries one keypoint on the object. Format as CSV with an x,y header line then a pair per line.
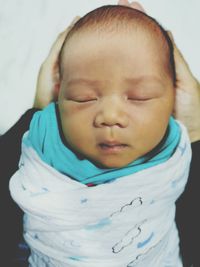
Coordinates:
x,y
101,169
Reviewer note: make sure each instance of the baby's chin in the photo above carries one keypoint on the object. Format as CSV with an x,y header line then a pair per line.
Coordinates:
x,y
112,163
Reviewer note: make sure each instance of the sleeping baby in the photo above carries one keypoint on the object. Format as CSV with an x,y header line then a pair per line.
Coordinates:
x,y
102,168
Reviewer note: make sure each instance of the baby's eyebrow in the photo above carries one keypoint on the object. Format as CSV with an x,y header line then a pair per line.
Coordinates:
x,y
144,78
83,81
150,79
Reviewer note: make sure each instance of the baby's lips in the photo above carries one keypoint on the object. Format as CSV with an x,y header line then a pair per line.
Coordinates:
x,y
112,144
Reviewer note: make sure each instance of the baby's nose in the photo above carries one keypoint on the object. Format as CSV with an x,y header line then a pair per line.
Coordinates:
x,y
112,114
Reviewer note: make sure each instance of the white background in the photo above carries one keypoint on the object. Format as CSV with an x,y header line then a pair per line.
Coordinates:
x,y
29,27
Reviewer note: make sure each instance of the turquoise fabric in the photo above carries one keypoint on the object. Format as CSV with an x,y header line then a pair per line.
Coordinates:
x,y
44,137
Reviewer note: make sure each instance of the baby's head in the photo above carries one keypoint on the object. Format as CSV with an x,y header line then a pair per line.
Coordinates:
x,y
117,80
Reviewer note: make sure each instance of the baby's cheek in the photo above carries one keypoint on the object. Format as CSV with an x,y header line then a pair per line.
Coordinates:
x,y
151,127
157,131
75,130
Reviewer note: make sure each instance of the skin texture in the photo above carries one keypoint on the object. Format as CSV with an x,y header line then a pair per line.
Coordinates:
x,y
121,112
187,99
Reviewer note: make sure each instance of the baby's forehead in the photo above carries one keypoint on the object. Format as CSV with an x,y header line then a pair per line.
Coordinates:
x,y
109,21
142,41
145,32
148,34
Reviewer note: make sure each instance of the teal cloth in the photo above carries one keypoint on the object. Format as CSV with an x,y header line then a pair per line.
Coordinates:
x,y
44,137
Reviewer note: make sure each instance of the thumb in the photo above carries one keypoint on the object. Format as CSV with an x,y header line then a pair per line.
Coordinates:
x,y
137,6
123,2
183,72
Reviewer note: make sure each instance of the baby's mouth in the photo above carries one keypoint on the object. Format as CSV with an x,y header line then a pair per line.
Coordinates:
x,y
113,146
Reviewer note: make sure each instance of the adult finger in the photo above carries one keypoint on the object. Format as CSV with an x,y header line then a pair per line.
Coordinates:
x,y
123,2
137,6
183,72
59,41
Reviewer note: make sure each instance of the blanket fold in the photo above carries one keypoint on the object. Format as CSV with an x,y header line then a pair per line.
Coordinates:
x,y
45,138
129,222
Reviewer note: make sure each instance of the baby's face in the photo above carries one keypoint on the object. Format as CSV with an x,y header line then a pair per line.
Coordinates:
x,y
115,100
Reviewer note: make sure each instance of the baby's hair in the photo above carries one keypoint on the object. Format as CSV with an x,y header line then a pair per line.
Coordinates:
x,y
115,18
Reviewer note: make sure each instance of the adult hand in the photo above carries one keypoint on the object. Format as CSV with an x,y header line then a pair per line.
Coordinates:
x,y
48,77
134,4
187,102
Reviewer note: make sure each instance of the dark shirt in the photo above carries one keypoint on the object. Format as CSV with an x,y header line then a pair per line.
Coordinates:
x,y
13,250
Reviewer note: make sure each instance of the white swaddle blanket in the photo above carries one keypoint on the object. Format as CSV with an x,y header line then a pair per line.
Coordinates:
x,y
128,222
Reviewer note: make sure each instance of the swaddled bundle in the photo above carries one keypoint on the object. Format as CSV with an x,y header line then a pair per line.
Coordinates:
x,y
127,219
